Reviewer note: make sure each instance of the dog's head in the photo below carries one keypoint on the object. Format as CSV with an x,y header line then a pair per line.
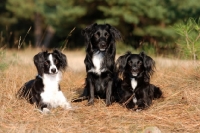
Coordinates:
x,y
50,63
135,65
100,37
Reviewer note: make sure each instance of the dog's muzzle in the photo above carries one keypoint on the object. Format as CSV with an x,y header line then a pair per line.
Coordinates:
x,y
135,71
102,45
53,70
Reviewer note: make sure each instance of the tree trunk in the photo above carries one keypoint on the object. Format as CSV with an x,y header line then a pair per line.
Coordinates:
x,y
50,33
38,30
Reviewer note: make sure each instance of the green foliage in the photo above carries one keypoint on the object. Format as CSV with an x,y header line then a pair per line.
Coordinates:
x,y
6,17
3,66
61,16
189,42
146,21
21,8
3,63
54,12
122,48
59,12
138,20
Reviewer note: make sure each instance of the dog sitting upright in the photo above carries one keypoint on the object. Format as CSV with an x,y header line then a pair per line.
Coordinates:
x,y
99,62
133,81
44,90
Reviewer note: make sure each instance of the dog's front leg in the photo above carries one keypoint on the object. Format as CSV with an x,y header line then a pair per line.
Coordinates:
x,y
109,93
144,102
43,107
62,101
91,97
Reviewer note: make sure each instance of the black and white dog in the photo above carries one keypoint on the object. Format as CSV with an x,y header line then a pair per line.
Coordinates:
x,y
133,81
44,90
99,61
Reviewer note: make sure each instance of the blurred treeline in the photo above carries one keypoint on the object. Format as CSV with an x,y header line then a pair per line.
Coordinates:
x,y
144,24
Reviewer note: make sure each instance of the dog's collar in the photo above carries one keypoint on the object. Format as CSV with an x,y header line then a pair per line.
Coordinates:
x,y
39,76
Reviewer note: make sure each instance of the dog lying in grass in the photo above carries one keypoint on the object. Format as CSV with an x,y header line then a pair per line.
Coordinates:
x,y
133,72
44,90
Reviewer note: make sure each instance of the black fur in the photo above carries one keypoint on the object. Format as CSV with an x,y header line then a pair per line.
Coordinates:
x,y
138,67
100,42
32,89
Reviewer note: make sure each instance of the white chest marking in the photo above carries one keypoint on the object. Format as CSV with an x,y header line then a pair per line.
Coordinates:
x,y
135,100
134,85
97,60
52,95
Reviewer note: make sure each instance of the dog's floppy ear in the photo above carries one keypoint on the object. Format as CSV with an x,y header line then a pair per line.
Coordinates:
x,y
121,64
39,62
87,32
62,58
149,65
114,32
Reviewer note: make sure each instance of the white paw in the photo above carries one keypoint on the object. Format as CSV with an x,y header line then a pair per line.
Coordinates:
x,y
45,111
66,106
138,110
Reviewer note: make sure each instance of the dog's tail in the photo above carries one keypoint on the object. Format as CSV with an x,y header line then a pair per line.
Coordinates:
x,y
157,92
25,90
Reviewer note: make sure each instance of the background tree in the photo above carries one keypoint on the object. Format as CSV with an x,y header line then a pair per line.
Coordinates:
x,y
6,22
49,16
189,42
144,25
141,21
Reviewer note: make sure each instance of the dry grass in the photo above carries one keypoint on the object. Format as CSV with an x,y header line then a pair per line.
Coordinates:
x,y
178,111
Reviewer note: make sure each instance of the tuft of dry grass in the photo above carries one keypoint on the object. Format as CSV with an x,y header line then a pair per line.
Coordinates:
x,y
177,111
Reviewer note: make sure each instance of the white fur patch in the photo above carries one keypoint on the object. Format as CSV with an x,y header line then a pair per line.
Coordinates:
x,y
134,100
97,60
133,83
52,65
51,95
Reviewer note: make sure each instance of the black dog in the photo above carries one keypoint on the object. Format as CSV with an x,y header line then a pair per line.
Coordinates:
x,y
99,62
44,90
133,81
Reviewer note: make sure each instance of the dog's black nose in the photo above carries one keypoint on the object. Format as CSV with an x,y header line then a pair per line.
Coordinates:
x,y
103,44
53,70
134,69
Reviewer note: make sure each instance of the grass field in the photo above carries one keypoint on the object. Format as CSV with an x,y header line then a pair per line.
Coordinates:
x,y
178,111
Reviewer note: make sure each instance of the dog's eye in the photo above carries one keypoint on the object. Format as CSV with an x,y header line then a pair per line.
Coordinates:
x,y
130,62
55,61
139,62
46,62
106,34
97,34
